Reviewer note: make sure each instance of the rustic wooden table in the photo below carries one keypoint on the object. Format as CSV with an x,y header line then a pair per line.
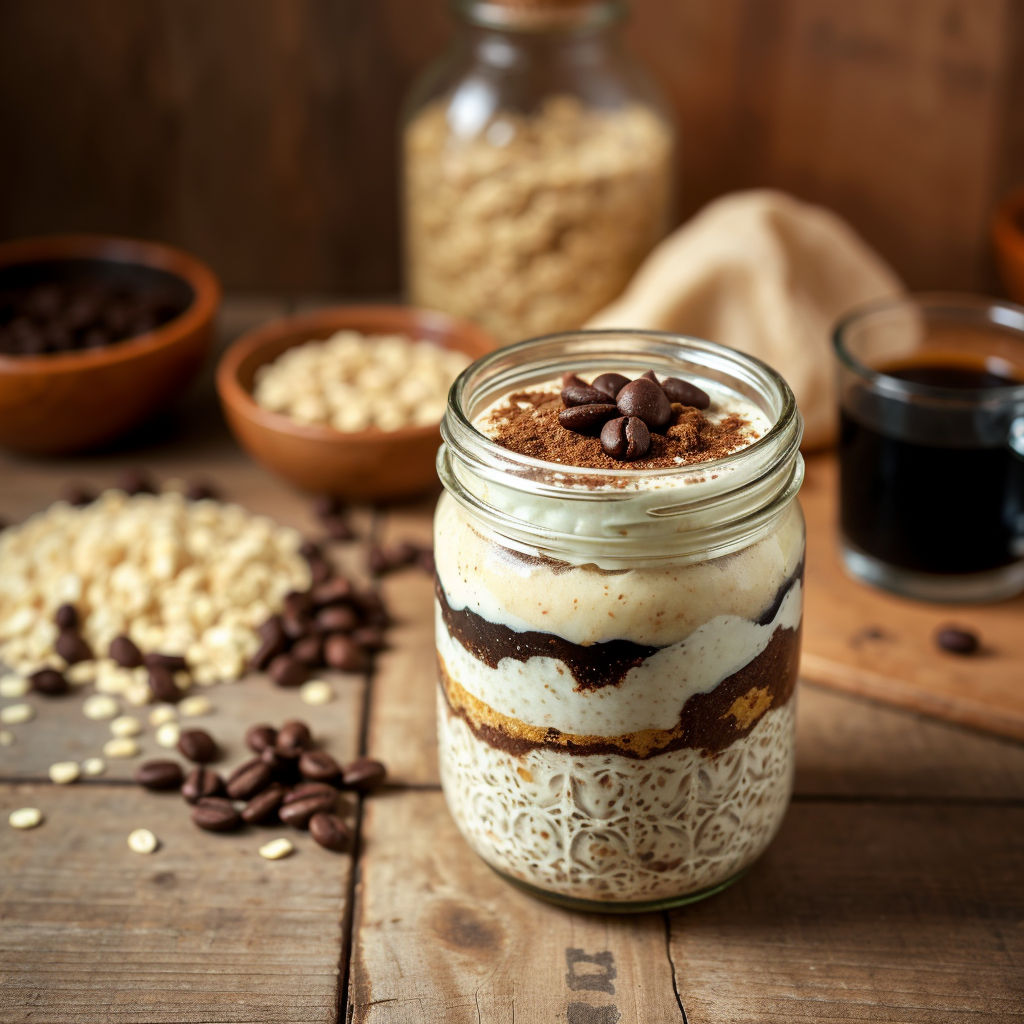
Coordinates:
x,y
895,891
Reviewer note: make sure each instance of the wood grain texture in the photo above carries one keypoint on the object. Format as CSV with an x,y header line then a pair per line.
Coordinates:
x,y
262,134
865,913
438,937
203,930
866,641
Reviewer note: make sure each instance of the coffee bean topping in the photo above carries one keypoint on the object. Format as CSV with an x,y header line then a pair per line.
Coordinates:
x,y
293,738
649,375
582,396
248,779
611,384
260,737
570,380
318,766
124,652
957,641
66,617
685,393
198,745
647,401
364,775
215,814
287,671
201,782
49,682
163,686
72,647
263,806
587,419
330,831
626,438
159,775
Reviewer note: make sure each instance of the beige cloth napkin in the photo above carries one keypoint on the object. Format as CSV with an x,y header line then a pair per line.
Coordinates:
x,y
766,274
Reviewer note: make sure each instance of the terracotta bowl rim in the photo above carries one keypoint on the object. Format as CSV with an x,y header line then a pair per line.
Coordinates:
x,y
205,287
406,318
1007,228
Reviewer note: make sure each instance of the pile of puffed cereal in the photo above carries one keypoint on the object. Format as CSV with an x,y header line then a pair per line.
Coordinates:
x,y
355,382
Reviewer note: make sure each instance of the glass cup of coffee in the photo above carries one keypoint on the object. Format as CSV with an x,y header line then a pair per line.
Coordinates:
x,y
931,447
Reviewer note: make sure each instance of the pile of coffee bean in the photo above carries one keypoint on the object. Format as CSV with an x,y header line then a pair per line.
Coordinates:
x,y
54,317
624,412
330,510
288,781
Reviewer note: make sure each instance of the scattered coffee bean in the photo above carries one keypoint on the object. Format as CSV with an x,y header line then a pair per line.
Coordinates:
x,y
330,831
215,814
124,652
142,841
957,641
72,647
369,637
200,490
318,766
610,383
344,654
298,812
276,849
587,419
570,380
248,779
425,560
163,686
263,806
327,505
337,528
647,401
171,662
200,783
303,790
337,619
49,682
296,626
77,496
159,775
293,738
364,776
259,737
685,393
626,438
320,570
287,671
309,650
298,603
135,481
331,592
198,746
66,617
270,648
582,396
381,562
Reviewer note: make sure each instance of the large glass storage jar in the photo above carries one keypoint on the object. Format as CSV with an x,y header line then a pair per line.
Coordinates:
x,y
618,648
537,167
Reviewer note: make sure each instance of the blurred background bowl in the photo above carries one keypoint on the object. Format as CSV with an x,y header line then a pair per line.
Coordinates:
x,y
64,402
1008,239
377,465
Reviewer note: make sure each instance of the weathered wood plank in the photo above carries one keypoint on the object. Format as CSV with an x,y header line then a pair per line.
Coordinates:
x,y
865,913
203,930
439,937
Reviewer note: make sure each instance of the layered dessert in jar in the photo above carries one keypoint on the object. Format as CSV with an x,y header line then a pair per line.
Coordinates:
x,y
619,592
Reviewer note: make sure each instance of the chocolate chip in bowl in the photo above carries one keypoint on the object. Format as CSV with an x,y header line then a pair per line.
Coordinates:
x,y
366,461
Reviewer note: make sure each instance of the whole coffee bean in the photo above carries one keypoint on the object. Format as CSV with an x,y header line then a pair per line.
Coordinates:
x,y
337,528
297,603
649,375
318,766
587,419
200,490
957,641
171,662
330,831
343,653
378,561
647,401
570,380
309,549
610,383
364,775
287,671
271,628
320,570
372,608
303,790
337,619
159,775
331,592
626,438
276,763
201,782
248,779
66,617
582,396
260,737
369,637
124,652
263,807
77,496
215,814
685,393
298,812
309,650
72,647
135,481
296,626
198,745
268,650
293,738
49,682
163,686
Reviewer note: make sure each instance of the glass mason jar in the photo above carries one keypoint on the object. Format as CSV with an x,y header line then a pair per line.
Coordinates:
x,y
537,167
618,648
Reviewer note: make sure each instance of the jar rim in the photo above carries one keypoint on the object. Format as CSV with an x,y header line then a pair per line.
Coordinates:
x,y
533,17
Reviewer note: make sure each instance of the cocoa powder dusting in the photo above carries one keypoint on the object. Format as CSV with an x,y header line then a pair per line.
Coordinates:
x,y
527,424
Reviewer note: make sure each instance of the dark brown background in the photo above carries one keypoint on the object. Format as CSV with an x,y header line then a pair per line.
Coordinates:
x,y
262,133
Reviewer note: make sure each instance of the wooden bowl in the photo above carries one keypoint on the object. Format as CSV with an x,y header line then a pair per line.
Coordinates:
x,y
1008,239
377,465
68,402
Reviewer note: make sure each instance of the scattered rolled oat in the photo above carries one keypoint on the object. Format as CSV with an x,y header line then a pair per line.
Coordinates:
x,y
142,841
126,725
123,746
194,707
6,738
94,766
276,849
64,772
25,817
168,734
100,707
15,714
316,691
14,686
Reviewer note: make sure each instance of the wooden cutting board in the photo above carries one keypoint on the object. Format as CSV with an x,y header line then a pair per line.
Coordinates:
x,y
868,642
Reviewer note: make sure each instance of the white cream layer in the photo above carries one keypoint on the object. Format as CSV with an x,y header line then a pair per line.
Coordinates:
x,y
540,690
